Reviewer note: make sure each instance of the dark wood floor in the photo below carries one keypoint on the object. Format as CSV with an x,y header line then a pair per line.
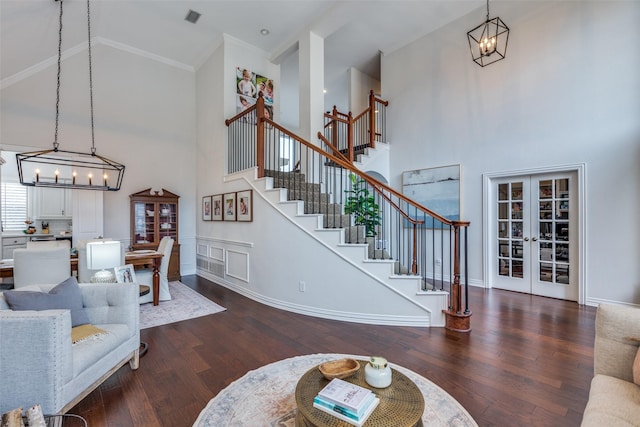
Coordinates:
x,y
527,362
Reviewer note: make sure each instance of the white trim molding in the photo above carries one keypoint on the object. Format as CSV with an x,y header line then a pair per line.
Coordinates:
x,y
581,171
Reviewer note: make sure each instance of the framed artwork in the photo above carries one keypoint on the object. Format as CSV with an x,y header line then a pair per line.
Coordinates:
x,y
125,274
248,85
229,206
245,205
206,208
216,203
435,188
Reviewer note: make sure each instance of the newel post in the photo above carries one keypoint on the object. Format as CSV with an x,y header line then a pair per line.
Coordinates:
x,y
260,136
458,318
334,127
350,151
372,119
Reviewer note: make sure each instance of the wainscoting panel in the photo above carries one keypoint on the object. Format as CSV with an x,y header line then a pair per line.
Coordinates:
x,y
216,253
213,257
202,250
238,265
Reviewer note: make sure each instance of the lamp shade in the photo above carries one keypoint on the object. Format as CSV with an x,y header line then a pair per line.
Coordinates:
x,y
101,255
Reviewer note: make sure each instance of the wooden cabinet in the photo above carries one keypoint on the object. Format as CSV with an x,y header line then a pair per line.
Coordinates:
x,y
154,215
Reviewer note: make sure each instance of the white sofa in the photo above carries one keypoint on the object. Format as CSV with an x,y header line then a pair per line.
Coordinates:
x,y
614,400
39,364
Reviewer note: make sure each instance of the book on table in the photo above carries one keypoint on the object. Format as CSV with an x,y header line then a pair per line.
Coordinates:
x,y
346,415
346,395
346,401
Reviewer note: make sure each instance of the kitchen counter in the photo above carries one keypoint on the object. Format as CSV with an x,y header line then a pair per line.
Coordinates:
x,y
21,234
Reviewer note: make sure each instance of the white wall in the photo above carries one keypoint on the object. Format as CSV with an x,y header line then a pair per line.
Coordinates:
x,y
144,118
360,85
566,93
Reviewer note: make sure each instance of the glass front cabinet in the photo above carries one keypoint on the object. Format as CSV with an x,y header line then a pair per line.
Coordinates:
x,y
154,215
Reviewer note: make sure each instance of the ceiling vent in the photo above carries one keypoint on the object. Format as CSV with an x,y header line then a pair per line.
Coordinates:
x,y
192,16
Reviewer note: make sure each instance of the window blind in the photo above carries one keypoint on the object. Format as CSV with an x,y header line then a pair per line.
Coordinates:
x,y
14,206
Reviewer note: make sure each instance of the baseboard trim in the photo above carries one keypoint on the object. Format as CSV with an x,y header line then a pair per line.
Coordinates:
x,y
385,320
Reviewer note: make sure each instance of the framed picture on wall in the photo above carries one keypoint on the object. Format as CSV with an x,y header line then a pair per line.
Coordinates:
x,y
435,188
229,206
245,205
206,208
216,203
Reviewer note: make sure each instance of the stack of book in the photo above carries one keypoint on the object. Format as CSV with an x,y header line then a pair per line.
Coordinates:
x,y
347,401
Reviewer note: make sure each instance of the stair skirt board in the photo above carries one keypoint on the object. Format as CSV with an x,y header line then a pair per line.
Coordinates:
x,y
433,317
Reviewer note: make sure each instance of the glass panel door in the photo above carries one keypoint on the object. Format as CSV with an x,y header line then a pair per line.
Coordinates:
x,y
556,202
533,243
511,225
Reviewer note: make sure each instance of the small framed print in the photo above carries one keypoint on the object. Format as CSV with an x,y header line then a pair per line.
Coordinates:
x,y
206,208
229,206
125,274
245,205
216,203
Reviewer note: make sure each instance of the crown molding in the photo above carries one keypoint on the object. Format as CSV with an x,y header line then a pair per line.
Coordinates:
x,y
79,48
40,66
145,54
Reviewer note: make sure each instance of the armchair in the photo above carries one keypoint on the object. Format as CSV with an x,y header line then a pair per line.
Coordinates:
x,y
39,364
43,244
40,266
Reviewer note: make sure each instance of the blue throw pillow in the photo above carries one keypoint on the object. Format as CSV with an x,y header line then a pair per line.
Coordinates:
x,y
66,295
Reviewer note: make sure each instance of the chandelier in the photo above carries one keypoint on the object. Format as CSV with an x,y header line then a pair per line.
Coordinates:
x,y
70,169
488,41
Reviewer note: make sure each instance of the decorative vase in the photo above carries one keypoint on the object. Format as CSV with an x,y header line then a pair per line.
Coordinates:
x,y
377,373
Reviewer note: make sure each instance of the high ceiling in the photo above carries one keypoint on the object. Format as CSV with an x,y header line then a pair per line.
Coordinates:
x,y
355,31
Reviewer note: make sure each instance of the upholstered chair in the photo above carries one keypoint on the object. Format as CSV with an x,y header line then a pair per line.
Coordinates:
x,y
42,244
145,276
40,266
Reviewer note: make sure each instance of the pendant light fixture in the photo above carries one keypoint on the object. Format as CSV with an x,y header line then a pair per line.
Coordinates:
x,y
69,169
488,41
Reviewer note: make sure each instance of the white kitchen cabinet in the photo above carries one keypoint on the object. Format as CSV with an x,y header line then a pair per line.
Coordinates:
x,y
87,215
53,203
9,244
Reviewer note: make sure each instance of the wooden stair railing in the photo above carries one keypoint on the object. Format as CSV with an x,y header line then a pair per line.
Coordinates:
x,y
355,129
253,127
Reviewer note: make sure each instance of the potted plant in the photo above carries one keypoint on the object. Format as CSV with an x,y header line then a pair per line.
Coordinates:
x,y
362,205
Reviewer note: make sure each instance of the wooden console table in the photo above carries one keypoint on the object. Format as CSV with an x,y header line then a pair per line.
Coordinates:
x,y
137,259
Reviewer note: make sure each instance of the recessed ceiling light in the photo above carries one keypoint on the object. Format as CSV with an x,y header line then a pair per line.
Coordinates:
x,y
192,16
264,32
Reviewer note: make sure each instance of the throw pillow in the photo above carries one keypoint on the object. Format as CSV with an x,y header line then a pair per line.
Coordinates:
x,y
85,332
65,295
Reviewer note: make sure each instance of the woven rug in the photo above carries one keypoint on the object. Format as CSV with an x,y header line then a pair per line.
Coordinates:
x,y
265,397
185,304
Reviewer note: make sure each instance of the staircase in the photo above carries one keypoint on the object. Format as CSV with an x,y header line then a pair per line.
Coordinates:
x,y
420,246
333,217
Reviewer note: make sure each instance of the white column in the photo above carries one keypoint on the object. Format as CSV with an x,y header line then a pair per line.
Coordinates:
x,y
311,69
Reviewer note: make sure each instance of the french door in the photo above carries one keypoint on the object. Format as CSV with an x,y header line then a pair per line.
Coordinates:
x,y
534,234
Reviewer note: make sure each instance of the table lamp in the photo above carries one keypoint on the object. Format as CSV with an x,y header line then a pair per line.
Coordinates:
x,y
102,255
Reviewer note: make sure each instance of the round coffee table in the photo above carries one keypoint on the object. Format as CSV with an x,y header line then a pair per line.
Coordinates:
x,y
401,403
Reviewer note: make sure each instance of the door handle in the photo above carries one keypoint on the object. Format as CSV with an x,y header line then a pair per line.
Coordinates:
x,y
535,239
526,239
